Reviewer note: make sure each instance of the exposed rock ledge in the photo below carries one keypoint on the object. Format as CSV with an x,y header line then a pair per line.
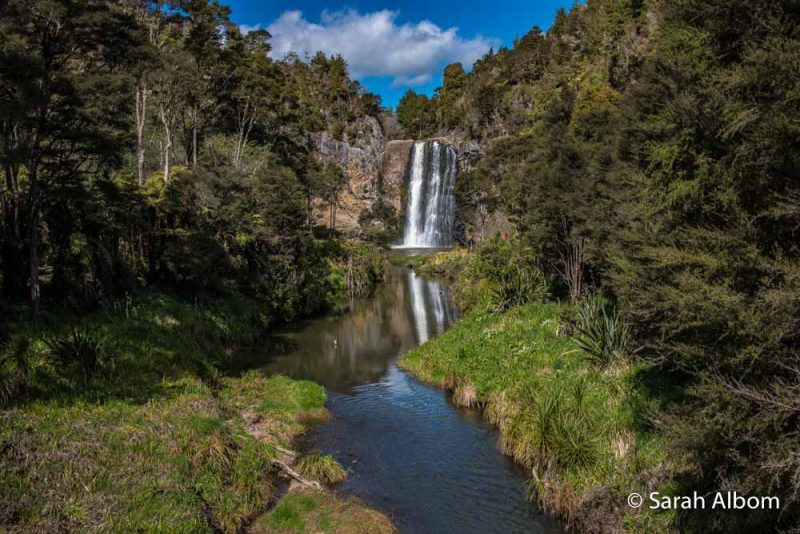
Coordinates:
x,y
360,154
395,165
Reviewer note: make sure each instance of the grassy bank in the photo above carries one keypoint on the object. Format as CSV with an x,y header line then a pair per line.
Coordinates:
x,y
183,461
312,512
584,432
122,420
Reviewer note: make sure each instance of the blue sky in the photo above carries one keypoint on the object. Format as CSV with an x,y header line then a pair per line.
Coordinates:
x,y
392,47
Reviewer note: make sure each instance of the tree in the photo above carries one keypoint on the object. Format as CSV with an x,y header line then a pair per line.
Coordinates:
x,y
144,61
449,111
332,180
416,114
706,259
202,41
64,87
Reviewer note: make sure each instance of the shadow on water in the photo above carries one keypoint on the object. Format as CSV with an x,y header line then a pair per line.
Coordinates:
x,y
432,466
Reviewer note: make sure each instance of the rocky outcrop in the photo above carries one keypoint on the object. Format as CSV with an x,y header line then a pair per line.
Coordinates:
x,y
395,167
372,203
474,222
470,153
360,154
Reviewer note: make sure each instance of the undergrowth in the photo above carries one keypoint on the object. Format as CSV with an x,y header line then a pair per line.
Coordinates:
x,y
122,421
582,423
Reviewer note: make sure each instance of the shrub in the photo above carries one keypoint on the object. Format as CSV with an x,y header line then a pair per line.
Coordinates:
x,y
518,286
15,368
354,271
601,334
80,352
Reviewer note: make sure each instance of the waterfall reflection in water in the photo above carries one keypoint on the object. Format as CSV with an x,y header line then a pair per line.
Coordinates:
x,y
432,466
344,351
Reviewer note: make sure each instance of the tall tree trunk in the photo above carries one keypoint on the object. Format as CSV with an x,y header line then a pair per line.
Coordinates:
x,y
141,109
194,137
11,204
333,211
246,119
167,141
33,241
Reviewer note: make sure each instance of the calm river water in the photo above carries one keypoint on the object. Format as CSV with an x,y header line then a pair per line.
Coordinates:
x,y
432,466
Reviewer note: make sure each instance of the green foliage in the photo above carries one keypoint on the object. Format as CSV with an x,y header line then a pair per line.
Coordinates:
x,y
648,151
307,512
197,454
215,194
416,115
380,223
518,286
500,274
15,368
602,335
323,468
576,429
81,352
185,468
645,149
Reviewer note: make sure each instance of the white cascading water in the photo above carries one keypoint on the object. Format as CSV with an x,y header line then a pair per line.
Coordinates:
x,y
430,210
430,307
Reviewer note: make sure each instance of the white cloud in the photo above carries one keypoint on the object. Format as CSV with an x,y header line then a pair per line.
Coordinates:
x,y
247,28
375,45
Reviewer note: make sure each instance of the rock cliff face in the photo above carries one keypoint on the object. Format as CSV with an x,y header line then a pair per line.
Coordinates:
x,y
372,203
395,169
360,154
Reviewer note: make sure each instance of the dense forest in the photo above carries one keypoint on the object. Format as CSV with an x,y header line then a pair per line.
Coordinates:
x,y
153,143
158,178
643,152
650,152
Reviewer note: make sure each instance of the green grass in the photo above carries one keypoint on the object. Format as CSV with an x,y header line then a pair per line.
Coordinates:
x,y
143,342
306,512
584,432
182,462
322,468
154,439
163,464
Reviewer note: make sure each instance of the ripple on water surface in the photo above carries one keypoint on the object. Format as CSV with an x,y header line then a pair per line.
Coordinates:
x,y
434,467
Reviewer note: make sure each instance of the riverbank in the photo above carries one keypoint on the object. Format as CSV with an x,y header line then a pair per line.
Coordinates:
x,y
585,434
121,420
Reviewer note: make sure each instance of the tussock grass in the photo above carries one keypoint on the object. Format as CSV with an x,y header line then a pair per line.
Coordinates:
x,y
583,431
497,275
323,468
171,463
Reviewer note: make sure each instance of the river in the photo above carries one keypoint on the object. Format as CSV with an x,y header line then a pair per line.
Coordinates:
x,y
431,466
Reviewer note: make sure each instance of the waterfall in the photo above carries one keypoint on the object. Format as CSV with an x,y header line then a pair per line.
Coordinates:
x,y
430,209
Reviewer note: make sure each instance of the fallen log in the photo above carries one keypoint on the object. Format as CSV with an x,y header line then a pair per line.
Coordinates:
x,y
294,475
